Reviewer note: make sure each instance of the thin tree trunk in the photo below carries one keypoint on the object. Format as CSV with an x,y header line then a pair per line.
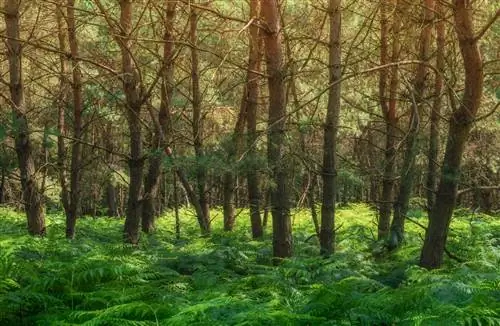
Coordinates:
x,y
327,233
312,203
201,173
61,106
460,124
32,196
252,98
2,185
163,128
433,167
229,178
75,195
408,171
267,202
176,209
228,186
389,106
111,195
280,206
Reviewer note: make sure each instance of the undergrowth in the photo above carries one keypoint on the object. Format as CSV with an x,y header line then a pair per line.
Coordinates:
x,y
228,279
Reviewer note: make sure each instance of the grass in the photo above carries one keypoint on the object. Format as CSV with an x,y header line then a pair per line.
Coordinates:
x,y
228,279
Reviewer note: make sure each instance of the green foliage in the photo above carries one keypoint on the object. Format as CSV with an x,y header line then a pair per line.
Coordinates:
x,y
227,279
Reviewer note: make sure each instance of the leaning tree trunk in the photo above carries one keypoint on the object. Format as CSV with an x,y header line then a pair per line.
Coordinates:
x,y
433,167
411,151
32,196
280,206
201,171
388,104
75,195
460,124
162,132
327,232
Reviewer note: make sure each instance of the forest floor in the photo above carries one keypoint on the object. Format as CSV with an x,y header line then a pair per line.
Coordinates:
x,y
228,279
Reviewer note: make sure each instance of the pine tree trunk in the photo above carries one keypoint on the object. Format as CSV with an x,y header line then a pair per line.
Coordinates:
x,y
412,138
280,206
433,167
32,196
254,68
75,195
460,124
388,102
329,172
162,128
133,107
201,172
61,106
228,200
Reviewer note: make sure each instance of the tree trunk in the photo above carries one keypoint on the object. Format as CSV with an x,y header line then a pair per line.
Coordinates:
x,y
433,167
329,173
32,196
252,98
229,178
312,203
176,209
111,195
61,106
460,124
162,128
201,173
133,108
389,105
408,171
280,206
228,200
267,203
75,196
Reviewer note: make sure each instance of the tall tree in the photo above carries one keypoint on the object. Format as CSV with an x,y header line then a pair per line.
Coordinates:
x,y
201,172
162,126
432,166
251,96
280,206
412,138
32,195
75,172
133,108
460,125
62,102
388,78
327,232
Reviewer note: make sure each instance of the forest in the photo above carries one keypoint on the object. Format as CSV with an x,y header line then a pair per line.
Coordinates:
x,y
249,162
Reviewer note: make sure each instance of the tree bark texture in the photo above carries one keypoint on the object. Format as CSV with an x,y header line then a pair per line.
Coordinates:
x,y
433,167
460,125
388,101
163,128
252,99
280,206
32,195
62,102
201,172
133,109
329,173
76,156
